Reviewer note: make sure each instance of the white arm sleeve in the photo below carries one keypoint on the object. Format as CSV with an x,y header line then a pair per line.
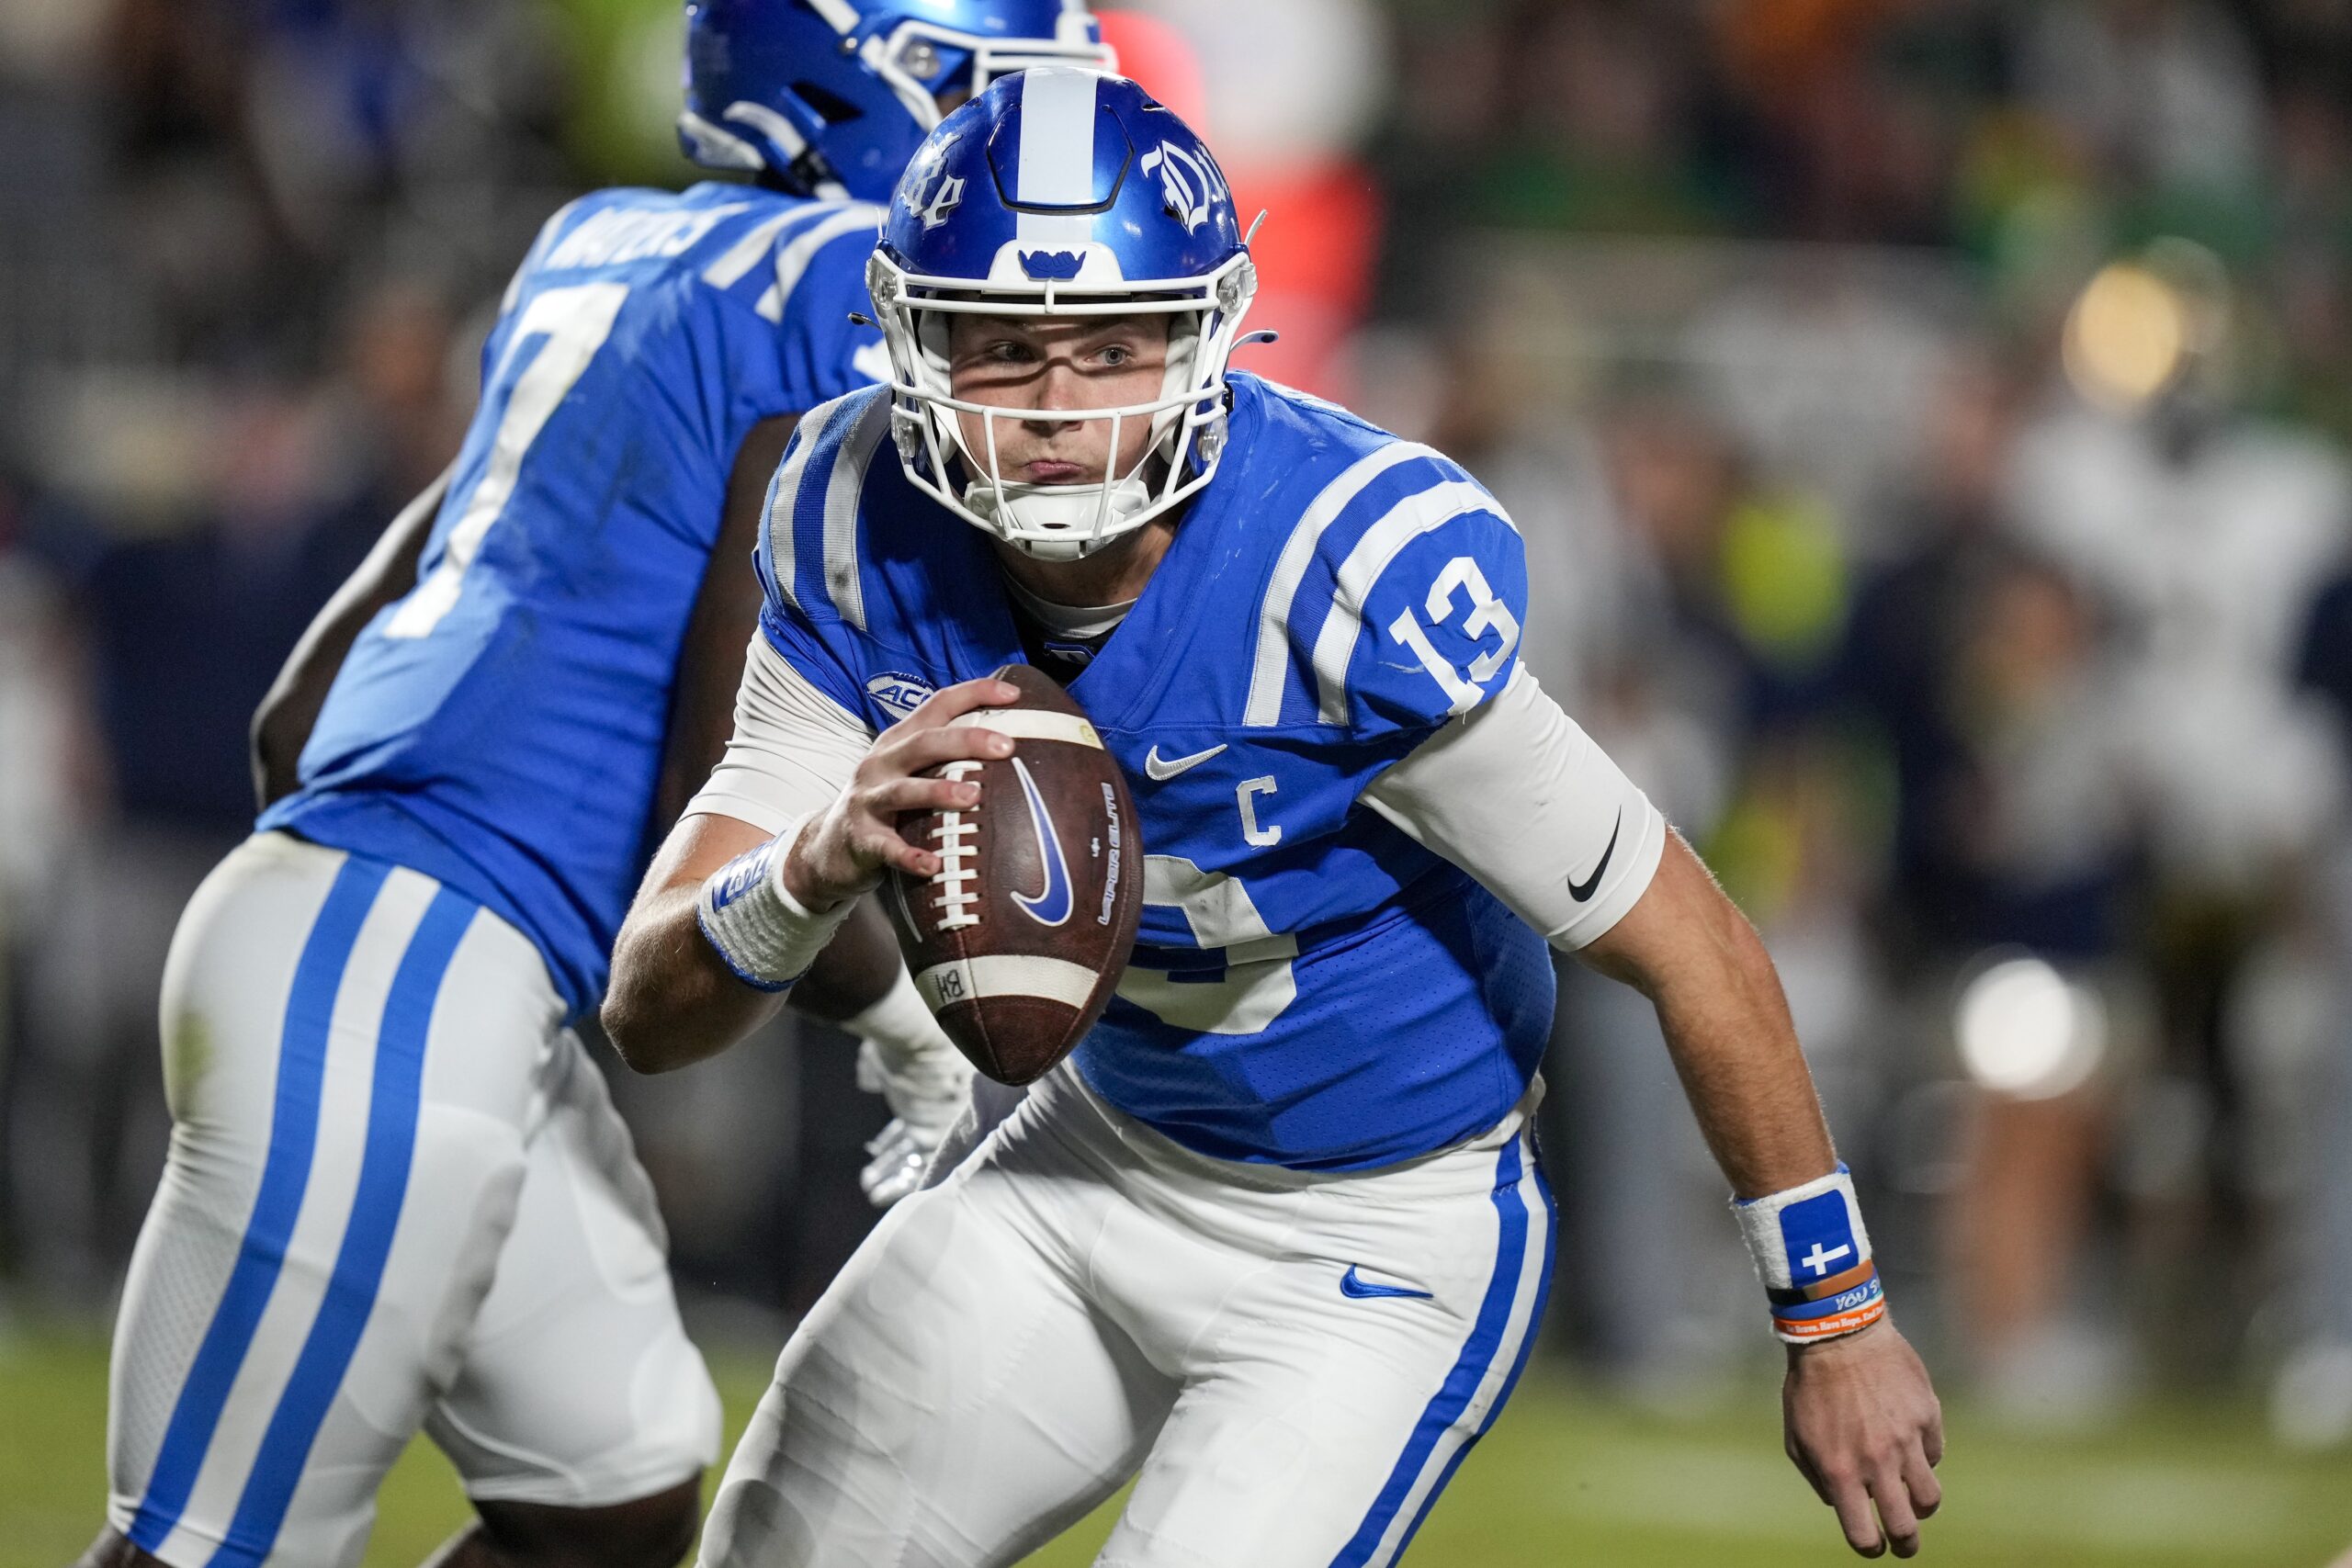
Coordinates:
x,y
793,750
1519,797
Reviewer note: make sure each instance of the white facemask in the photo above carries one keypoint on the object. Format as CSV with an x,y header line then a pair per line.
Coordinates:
x,y
1061,522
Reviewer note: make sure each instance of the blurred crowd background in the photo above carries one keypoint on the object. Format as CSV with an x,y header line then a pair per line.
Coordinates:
x,y
1926,418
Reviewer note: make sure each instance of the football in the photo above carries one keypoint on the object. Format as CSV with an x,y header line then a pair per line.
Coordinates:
x,y
1019,941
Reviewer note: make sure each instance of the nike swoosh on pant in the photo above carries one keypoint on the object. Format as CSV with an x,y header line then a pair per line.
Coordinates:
x,y
1354,1285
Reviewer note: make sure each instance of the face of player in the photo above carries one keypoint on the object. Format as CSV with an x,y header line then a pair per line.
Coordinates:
x,y
1067,365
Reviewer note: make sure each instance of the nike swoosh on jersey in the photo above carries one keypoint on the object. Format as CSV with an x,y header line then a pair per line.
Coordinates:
x,y
1168,768
1355,1285
1583,891
1054,901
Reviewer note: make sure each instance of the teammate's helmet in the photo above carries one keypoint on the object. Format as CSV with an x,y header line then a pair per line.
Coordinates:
x,y
833,96
1061,193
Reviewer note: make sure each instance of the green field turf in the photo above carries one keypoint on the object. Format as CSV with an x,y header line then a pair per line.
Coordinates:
x,y
1565,1480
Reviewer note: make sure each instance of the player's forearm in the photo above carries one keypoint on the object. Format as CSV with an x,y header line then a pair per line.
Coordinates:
x,y
1518,795
672,1000
1726,1023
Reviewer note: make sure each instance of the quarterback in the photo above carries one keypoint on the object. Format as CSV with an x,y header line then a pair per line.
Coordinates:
x,y
1273,1241
397,1194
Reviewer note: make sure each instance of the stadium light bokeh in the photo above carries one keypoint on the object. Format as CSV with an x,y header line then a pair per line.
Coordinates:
x,y
2027,1031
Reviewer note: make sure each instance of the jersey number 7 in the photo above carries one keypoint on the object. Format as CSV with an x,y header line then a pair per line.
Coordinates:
x,y
574,322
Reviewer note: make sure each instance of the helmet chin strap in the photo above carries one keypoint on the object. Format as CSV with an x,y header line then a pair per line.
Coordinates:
x,y
1057,521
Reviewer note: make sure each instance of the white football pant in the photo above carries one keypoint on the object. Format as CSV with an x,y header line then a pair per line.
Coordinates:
x,y
1295,1361
397,1195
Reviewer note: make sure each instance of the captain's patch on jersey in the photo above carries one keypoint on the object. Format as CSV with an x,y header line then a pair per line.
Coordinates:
x,y
1288,1000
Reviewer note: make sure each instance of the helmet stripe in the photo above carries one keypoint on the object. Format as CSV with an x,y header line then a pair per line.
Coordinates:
x,y
1057,139
1057,158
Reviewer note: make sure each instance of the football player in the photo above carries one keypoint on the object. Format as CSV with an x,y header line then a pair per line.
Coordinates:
x,y
397,1194
1274,1240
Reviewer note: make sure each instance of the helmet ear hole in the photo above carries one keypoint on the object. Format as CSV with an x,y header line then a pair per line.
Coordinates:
x,y
829,106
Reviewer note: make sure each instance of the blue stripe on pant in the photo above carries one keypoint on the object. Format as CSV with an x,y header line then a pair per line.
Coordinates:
x,y
1519,1363
286,1172
1461,1385
366,1240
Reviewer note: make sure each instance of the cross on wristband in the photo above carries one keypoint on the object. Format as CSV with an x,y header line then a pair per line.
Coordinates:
x,y
1813,1255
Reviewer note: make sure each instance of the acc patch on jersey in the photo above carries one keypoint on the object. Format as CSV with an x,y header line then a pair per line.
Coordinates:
x,y
897,693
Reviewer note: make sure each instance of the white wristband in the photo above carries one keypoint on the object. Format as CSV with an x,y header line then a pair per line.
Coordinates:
x,y
1814,1257
759,929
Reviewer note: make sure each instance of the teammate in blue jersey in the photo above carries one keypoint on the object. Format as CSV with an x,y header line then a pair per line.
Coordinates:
x,y
398,1195
1274,1241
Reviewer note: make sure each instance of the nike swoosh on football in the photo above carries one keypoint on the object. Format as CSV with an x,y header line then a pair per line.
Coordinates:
x,y
1582,891
1168,768
1054,901
1355,1285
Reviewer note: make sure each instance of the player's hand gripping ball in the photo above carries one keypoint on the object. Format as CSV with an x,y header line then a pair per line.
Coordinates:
x,y
1019,940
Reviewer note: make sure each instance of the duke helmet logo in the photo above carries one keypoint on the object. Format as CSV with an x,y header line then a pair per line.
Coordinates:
x,y
945,198
946,195
1188,181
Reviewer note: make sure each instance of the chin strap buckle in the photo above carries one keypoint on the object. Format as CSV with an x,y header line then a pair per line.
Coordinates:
x,y
905,433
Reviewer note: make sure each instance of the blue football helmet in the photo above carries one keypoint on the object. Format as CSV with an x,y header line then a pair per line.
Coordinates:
x,y
1061,193
833,96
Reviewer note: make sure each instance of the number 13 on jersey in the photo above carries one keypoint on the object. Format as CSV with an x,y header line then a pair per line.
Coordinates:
x,y
1487,613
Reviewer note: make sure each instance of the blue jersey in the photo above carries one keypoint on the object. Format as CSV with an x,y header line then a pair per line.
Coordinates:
x,y
1312,988
501,728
